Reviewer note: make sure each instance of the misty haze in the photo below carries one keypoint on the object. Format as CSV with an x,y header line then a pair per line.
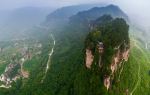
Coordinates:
x,y
74,47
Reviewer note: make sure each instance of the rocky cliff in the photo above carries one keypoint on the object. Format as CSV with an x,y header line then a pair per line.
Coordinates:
x,y
107,47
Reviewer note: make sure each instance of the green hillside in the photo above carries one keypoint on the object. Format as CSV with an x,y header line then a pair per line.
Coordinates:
x,y
134,75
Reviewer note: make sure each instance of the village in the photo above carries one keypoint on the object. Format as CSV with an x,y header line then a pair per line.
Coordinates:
x,y
14,69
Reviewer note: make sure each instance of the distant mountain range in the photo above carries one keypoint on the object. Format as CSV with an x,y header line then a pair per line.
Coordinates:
x,y
27,16
21,19
13,22
68,11
83,13
96,12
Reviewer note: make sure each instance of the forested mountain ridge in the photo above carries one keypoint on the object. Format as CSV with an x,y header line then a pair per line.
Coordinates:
x,y
106,48
68,11
60,16
96,12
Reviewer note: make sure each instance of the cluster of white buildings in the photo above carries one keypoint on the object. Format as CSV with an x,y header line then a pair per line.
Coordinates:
x,y
6,79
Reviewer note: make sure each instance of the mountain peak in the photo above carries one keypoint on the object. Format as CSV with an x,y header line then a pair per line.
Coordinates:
x,y
107,47
113,6
96,12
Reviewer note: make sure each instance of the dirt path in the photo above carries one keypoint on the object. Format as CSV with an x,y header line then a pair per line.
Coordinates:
x,y
138,47
139,69
49,59
121,69
2,61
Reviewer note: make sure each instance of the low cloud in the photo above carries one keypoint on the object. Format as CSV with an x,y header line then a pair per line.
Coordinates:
x,y
137,10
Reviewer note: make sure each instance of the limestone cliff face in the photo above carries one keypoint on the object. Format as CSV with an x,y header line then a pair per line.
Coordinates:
x,y
107,47
116,62
89,58
118,58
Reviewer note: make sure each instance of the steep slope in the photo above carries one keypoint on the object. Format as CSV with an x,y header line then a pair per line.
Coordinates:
x,y
134,75
106,48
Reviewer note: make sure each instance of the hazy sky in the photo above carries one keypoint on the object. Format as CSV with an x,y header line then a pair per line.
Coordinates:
x,y
5,4
136,9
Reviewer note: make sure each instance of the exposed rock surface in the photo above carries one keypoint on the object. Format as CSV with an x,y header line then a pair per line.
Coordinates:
x,y
107,82
89,58
107,49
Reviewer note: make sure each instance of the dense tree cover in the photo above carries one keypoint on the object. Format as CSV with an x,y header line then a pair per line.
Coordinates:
x,y
112,33
67,74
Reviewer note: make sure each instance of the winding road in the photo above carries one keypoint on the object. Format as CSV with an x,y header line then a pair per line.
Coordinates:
x,y
139,78
121,69
49,59
139,69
